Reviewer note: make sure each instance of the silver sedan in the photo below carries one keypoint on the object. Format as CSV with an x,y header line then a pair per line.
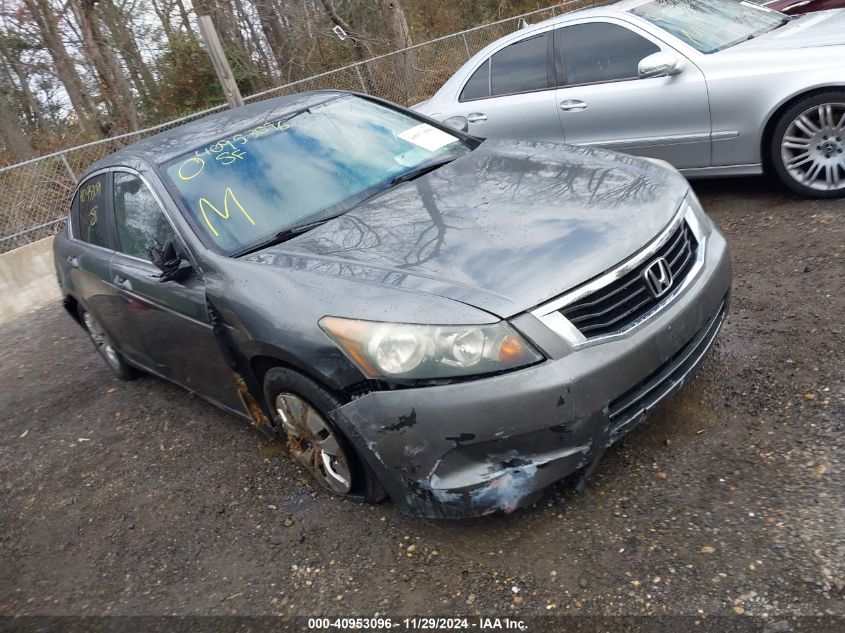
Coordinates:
x,y
716,88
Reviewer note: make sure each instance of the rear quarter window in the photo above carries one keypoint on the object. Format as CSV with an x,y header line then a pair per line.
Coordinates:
x,y
478,85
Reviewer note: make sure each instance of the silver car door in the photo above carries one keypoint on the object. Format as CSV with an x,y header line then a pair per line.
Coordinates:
x,y
602,101
512,95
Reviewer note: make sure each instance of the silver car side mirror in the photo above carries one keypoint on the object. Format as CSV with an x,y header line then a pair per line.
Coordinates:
x,y
457,122
659,65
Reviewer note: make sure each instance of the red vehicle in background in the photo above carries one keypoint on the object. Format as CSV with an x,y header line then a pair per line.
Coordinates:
x,y
801,6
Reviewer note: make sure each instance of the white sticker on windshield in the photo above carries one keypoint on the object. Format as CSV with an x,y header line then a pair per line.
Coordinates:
x,y
427,136
754,5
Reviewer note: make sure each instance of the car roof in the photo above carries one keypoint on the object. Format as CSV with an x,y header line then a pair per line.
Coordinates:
x,y
603,10
171,143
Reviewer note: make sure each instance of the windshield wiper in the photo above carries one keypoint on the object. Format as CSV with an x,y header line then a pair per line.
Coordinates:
x,y
421,170
286,234
407,176
783,22
292,231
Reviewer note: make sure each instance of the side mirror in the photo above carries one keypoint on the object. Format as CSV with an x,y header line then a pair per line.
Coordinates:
x,y
659,65
172,266
457,122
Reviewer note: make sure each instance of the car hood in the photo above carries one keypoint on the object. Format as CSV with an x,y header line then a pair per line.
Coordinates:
x,y
503,228
825,28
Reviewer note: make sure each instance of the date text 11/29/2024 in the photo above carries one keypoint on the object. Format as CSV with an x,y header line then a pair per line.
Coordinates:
x,y
416,624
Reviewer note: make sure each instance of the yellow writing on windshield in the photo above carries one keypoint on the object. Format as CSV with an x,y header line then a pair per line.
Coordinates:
x,y
205,204
194,166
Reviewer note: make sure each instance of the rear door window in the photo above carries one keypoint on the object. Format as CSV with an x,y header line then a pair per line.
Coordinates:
x,y
598,51
89,212
522,67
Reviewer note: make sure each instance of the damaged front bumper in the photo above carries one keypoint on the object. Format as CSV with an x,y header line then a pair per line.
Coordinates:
x,y
495,444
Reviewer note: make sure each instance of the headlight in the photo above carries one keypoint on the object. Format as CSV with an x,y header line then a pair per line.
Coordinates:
x,y
415,352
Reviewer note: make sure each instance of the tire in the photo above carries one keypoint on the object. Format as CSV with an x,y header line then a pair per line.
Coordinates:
x,y
807,150
105,348
300,407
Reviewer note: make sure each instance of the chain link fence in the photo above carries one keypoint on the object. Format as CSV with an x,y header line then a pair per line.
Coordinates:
x,y
35,195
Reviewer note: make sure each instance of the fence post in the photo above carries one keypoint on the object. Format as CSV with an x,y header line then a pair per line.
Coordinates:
x,y
218,60
361,79
67,166
466,45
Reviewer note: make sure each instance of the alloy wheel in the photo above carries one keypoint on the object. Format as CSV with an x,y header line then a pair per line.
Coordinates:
x,y
101,341
813,147
313,443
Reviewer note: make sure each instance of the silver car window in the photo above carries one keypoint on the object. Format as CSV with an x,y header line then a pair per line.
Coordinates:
x,y
478,85
521,67
598,51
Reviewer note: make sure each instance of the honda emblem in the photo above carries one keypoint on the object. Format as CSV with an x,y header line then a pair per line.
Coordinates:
x,y
658,277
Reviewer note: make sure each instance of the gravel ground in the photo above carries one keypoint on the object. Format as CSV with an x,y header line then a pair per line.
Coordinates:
x,y
138,498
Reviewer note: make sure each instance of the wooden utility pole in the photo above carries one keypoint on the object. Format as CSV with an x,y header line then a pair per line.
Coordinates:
x,y
221,64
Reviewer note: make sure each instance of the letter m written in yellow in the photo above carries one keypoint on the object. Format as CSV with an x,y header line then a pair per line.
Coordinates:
x,y
205,205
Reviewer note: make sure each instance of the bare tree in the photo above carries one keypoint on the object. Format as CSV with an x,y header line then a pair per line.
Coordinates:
x,y
113,82
271,25
11,130
362,48
223,14
399,36
46,19
118,24
183,14
16,79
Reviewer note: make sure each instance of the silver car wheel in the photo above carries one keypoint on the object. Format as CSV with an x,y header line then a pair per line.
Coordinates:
x,y
101,341
813,147
313,443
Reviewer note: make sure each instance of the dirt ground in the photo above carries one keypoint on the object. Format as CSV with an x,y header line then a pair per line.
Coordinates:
x,y
139,498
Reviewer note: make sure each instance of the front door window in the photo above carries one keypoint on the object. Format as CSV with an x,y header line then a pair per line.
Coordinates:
x,y
139,220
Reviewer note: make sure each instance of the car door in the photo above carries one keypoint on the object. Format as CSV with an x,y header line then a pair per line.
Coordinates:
x,y
90,250
602,101
511,94
170,318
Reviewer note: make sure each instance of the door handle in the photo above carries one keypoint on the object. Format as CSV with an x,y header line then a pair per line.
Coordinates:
x,y
476,117
73,260
123,282
572,105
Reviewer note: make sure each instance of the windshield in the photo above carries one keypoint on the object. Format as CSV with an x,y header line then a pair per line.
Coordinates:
x,y
242,190
712,25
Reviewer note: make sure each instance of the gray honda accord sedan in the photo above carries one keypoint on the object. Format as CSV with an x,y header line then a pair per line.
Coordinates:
x,y
454,323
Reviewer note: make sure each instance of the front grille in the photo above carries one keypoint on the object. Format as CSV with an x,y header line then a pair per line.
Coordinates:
x,y
628,409
624,300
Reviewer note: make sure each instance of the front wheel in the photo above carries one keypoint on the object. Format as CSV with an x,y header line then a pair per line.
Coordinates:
x,y
300,406
808,146
104,346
